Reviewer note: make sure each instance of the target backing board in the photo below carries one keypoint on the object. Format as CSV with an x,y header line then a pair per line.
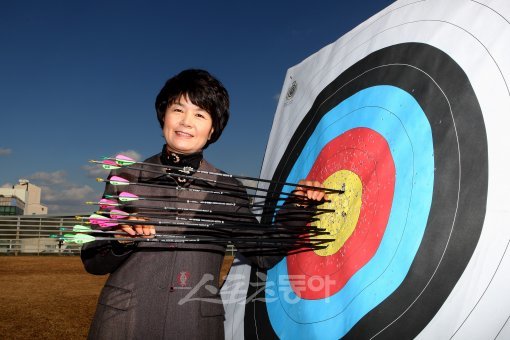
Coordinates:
x,y
407,113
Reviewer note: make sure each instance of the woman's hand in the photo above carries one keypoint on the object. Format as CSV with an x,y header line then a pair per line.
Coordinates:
x,y
316,194
136,230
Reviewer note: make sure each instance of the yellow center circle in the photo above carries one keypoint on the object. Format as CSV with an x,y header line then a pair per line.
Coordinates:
x,y
341,223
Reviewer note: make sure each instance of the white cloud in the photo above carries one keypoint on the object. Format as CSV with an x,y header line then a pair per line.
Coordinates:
x,y
7,185
5,151
49,178
68,198
78,193
95,170
68,193
61,196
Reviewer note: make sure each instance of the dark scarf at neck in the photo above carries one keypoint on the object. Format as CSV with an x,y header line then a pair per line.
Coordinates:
x,y
179,160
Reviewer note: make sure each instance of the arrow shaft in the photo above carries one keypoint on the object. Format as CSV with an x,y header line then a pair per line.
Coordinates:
x,y
190,170
184,222
237,229
194,239
211,202
229,185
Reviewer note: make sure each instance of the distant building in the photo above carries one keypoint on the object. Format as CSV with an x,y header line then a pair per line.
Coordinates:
x,y
23,198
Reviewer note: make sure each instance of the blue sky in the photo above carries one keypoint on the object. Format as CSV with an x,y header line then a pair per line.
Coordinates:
x,y
78,79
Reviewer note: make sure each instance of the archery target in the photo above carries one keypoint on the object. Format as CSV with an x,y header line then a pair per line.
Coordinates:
x,y
424,251
355,281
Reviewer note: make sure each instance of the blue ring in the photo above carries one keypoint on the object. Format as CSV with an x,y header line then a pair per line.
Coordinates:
x,y
397,116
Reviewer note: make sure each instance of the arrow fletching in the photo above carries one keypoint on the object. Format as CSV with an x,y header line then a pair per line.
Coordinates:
x,y
128,197
81,228
78,238
107,204
108,164
118,214
116,180
101,221
123,160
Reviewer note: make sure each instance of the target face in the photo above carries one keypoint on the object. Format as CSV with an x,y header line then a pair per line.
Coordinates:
x,y
384,130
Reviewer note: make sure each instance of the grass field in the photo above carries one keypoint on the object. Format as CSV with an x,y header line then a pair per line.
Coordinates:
x,y
49,297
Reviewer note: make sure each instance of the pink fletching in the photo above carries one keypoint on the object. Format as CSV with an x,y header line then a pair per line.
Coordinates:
x,y
101,221
118,179
124,160
106,224
118,214
121,157
108,164
107,204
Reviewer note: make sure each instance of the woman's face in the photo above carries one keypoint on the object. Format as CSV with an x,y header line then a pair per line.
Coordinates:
x,y
187,127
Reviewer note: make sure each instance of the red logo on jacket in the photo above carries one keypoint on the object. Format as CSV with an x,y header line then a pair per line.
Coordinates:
x,y
182,278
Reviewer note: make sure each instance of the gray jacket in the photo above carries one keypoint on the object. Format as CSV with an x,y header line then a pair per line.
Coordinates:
x,y
164,290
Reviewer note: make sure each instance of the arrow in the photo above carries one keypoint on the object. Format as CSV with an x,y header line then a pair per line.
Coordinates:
x,y
81,229
129,197
124,161
210,224
105,203
105,222
283,216
273,243
228,185
120,181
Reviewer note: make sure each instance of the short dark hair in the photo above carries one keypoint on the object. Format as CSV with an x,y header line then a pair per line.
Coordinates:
x,y
203,90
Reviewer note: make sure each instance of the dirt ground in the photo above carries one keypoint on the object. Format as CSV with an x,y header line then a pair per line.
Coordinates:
x,y
49,297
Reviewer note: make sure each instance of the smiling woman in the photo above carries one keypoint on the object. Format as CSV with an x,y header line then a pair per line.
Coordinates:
x,y
149,282
187,127
198,93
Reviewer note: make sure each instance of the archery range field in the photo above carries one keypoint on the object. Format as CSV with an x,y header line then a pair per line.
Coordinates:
x,y
50,297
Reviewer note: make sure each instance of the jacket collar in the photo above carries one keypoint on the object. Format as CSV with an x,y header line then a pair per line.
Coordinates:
x,y
204,166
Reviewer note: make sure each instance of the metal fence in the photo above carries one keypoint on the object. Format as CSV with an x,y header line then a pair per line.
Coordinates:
x,y
31,235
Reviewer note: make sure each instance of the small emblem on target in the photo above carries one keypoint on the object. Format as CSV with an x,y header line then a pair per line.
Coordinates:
x,y
291,92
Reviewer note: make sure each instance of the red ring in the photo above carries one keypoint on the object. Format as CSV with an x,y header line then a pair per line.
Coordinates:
x,y
366,153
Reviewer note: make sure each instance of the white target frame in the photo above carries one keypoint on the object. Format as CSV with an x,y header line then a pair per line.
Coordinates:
x,y
476,34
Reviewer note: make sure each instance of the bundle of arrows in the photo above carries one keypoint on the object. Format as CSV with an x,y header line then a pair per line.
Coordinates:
x,y
289,229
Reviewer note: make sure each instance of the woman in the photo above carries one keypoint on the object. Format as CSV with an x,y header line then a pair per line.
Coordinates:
x,y
170,290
